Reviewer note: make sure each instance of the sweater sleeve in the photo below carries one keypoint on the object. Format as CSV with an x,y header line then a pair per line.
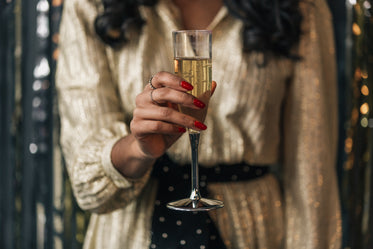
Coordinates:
x,y
310,138
91,114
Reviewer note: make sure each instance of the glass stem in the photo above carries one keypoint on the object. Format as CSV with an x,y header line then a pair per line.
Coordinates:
x,y
194,141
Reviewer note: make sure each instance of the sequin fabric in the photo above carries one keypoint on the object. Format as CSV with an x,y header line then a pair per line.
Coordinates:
x,y
284,113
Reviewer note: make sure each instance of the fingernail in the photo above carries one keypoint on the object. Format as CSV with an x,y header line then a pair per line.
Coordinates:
x,y
182,129
198,103
200,125
186,85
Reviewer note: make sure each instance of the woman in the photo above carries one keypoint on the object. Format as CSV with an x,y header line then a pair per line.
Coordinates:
x,y
275,105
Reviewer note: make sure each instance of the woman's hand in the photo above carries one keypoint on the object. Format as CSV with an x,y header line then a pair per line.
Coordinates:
x,y
156,122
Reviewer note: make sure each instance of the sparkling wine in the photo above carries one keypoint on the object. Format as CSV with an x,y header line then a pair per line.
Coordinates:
x,y
192,53
198,73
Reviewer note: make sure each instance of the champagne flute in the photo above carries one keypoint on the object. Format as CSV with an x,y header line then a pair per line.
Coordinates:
x,y
192,61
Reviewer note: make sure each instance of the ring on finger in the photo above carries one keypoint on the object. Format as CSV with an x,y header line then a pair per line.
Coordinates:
x,y
151,97
150,83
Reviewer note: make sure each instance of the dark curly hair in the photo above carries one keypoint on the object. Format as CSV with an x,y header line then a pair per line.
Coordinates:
x,y
269,25
118,17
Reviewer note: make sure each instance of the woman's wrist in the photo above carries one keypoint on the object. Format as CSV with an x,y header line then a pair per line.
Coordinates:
x,y
128,159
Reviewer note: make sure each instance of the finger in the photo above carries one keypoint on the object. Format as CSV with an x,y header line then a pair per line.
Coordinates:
x,y
213,87
166,79
169,115
145,127
165,95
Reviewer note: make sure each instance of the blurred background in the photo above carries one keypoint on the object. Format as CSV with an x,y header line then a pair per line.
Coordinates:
x,y
37,209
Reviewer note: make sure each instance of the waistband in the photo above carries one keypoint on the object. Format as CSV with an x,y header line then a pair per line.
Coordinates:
x,y
166,168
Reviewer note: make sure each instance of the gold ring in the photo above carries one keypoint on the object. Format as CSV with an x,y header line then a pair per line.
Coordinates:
x,y
150,83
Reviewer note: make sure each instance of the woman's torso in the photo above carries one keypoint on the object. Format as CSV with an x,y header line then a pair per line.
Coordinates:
x,y
244,114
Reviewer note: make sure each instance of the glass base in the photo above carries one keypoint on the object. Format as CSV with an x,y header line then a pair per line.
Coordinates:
x,y
202,204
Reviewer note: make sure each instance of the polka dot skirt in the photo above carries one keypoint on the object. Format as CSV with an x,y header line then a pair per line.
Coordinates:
x,y
187,230
177,229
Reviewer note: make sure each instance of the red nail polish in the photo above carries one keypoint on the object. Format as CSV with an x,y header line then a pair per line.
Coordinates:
x,y
182,129
186,85
200,125
198,103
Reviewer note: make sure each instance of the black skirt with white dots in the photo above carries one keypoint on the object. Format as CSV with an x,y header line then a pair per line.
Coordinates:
x,y
189,230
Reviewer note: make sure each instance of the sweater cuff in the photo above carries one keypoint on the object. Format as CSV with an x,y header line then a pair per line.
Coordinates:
x,y
119,180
